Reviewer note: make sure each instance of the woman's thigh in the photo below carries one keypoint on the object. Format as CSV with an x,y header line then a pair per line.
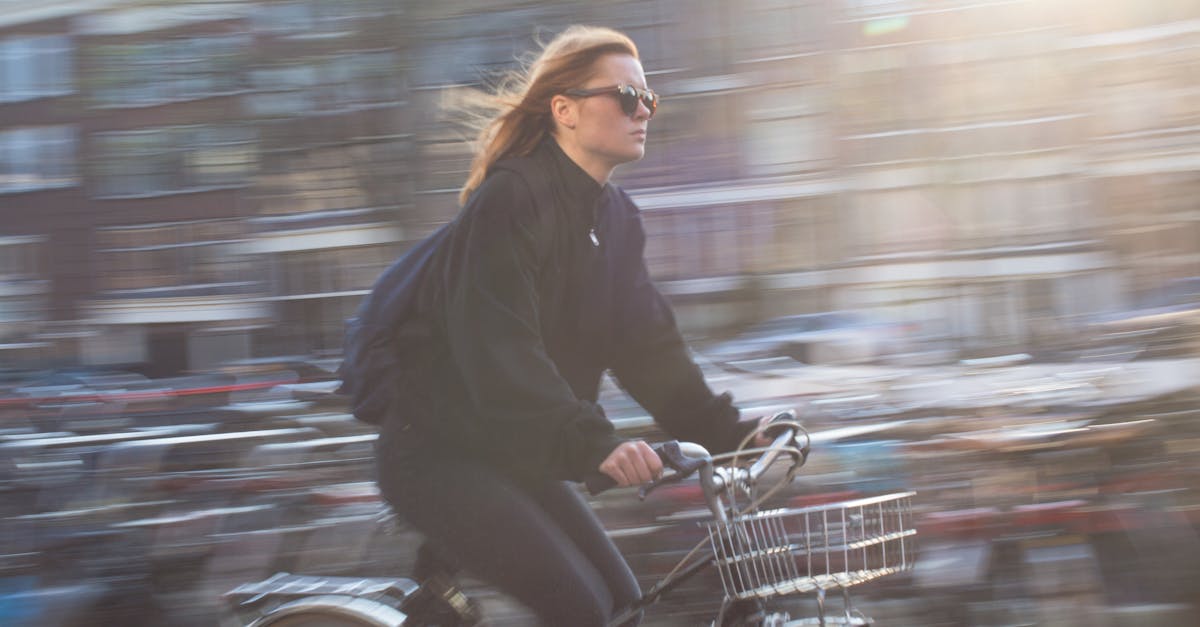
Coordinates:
x,y
505,535
563,503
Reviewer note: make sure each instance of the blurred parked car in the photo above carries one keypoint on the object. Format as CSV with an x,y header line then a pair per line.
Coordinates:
x,y
1166,323
836,337
291,369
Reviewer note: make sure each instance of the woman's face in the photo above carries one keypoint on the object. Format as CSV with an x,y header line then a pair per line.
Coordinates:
x,y
604,135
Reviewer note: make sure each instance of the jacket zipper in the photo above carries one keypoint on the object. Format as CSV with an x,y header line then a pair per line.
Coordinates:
x,y
595,222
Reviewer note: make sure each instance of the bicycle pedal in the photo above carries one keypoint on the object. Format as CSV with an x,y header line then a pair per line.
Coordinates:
x,y
441,602
463,606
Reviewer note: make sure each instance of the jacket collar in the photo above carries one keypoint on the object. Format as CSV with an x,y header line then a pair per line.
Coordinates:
x,y
582,190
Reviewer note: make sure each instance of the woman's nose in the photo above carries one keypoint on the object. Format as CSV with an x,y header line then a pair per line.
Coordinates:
x,y
642,112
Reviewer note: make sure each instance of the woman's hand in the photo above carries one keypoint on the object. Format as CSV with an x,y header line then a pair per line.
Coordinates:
x,y
762,439
632,463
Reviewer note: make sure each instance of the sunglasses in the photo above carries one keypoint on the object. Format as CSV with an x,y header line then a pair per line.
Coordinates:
x,y
628,95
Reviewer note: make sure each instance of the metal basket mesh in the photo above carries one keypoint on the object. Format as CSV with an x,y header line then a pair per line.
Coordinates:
x,y
788,551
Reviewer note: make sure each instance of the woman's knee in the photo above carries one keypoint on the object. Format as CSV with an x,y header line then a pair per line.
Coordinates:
x,y
582,606
585,608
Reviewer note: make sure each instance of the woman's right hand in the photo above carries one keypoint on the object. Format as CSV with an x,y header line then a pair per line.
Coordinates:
x,y
632,463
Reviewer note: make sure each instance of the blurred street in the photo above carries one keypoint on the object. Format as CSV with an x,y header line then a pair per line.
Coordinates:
x,y
1047,493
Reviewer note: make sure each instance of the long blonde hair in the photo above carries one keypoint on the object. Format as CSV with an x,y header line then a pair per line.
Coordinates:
x,y
519,112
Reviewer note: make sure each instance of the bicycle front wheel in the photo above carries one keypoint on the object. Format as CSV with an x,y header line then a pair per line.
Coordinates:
x,y
332,611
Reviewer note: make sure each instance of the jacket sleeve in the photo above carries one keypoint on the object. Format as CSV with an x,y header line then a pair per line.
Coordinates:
x,y
654,365
534,421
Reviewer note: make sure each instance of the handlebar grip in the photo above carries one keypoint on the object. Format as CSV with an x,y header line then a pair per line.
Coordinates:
x,y
774,430
672,458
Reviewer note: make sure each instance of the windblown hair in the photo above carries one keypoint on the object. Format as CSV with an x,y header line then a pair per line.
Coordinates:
x,y
514,120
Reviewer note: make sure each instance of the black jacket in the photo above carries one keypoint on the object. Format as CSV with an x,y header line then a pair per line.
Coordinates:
x,y
520,312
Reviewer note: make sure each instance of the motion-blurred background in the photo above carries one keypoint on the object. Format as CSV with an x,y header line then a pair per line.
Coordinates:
x,y
186,183
928,218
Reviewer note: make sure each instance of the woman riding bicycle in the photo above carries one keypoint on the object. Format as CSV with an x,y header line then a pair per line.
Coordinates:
x,y
537,288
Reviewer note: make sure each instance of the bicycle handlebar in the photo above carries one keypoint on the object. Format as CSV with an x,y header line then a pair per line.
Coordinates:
x,y
687,458
684,458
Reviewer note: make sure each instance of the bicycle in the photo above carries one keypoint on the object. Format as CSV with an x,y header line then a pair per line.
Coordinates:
x,y
762,555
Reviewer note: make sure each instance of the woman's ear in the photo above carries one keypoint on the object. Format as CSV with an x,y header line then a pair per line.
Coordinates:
x,y
565,111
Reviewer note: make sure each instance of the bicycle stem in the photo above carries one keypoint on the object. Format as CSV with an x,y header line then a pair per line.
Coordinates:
x,y
715,483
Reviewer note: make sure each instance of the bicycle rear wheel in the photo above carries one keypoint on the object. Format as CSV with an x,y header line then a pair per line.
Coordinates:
x,y
314,619
332,611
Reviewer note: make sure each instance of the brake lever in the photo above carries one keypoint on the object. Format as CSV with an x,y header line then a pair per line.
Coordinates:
x,y
673,458
787,420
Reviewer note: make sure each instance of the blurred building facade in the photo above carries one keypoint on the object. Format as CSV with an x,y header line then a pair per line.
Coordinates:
x,y
210,181
188,183
987,170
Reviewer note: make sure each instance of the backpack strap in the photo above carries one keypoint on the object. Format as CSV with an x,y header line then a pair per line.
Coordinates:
x,y
383,330
541,187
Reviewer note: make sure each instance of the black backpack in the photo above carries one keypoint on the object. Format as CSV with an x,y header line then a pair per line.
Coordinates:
x,y
378,346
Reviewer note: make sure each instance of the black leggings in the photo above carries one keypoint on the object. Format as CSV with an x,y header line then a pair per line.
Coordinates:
x,y
539,543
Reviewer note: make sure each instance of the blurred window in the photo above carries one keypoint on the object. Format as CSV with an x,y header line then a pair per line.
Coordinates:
x,y
963,214
444,163
282,90
21,258
1008,137
1151,219
331,270
804,236
799,234
900,220
653,27
860,9
151,72
885,147
283,17
329,178
173,159
37,157
138,257
774,28
665,256
1050,86
1129,14
880,89
22,308
788,130
330,84
710,40
1139,96
1001,78
996,83
1002,202
35,66
317,18
374,78
479,44
1050,213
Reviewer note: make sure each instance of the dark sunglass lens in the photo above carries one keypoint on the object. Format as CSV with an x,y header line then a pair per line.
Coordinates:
x,y
650,99
629,99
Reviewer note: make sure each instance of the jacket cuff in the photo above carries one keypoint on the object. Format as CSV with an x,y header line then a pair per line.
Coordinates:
x,y
739,430
715,424
600,451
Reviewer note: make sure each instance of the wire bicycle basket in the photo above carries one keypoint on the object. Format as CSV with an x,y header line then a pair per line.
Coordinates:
x,y
780,552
